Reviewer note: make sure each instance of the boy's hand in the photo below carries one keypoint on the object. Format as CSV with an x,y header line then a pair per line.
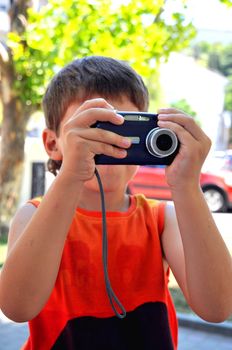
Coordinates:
x,y
185,170
80,143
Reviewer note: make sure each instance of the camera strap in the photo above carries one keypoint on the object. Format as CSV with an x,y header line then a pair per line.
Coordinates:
x,y
114,301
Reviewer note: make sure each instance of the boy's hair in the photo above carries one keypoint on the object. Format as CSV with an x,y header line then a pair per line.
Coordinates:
x,y
83,78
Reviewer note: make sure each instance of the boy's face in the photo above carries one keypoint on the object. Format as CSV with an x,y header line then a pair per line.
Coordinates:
x,y
113,177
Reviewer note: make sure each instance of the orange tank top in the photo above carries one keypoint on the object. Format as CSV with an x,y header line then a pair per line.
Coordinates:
x,y
78,314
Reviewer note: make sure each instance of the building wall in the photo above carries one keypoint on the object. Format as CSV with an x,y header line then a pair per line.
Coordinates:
x,y
183,78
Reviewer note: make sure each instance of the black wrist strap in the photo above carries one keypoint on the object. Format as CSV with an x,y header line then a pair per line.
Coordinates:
x,y
114,301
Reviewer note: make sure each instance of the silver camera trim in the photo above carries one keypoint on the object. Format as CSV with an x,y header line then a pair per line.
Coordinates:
x,y
151,142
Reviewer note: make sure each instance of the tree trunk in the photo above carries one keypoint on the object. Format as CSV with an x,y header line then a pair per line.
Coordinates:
x,y
12,146
13,125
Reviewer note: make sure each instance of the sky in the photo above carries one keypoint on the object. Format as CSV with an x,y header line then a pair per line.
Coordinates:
x,y
210,14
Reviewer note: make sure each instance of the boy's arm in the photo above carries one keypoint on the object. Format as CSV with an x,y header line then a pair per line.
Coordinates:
x,y
198,257
37,237
191,241
36,242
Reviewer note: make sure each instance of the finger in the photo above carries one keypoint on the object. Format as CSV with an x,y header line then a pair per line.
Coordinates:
x,y
182,134
186,122
95,102
169,111
90,116
186,138
108,150
99,135
111,151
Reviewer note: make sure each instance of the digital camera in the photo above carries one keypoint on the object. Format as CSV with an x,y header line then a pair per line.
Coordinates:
x,y
151,145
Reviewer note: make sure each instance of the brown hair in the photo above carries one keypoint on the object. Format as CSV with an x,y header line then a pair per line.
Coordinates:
x,y
81,79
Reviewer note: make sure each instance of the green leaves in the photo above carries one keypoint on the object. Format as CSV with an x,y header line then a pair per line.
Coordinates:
x,y
132,30
227,2
228,95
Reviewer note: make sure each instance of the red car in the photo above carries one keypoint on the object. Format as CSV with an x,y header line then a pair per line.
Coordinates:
x,y
217,186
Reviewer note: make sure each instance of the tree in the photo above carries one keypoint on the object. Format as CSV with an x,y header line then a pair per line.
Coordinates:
x,y
226,2
15,115
41,42
218,57
228,95
184,106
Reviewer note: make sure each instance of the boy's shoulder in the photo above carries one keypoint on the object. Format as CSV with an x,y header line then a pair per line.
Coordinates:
x,y
153,209
150,202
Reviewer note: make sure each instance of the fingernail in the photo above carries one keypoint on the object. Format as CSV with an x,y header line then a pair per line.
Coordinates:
x,y
119,116
126,142
161,123
122,152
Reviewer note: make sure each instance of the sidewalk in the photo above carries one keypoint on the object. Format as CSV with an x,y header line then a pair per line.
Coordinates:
x,y
191,335
196,334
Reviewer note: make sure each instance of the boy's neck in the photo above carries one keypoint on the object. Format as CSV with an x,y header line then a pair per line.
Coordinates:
x,y
114,202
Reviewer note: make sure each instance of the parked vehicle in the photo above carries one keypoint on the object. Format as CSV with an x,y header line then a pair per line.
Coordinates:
x,y
217,186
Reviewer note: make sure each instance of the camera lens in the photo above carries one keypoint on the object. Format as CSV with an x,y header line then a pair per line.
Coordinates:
x,y
161,142
164,142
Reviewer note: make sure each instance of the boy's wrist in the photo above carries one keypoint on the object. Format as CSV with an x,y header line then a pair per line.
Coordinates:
x,y
69,179
186,191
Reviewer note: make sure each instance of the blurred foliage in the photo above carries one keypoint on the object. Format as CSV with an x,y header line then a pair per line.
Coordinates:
x,y
184,106
226,2
228,96
179,300
136,31
217,57
3,248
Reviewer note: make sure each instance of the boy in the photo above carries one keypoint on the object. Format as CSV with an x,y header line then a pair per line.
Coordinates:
x,y
53,274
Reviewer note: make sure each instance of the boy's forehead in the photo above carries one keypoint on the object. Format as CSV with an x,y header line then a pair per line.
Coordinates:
x,y
122,103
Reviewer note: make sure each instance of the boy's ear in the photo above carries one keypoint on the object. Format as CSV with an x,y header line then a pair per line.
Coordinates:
x,y
51,144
